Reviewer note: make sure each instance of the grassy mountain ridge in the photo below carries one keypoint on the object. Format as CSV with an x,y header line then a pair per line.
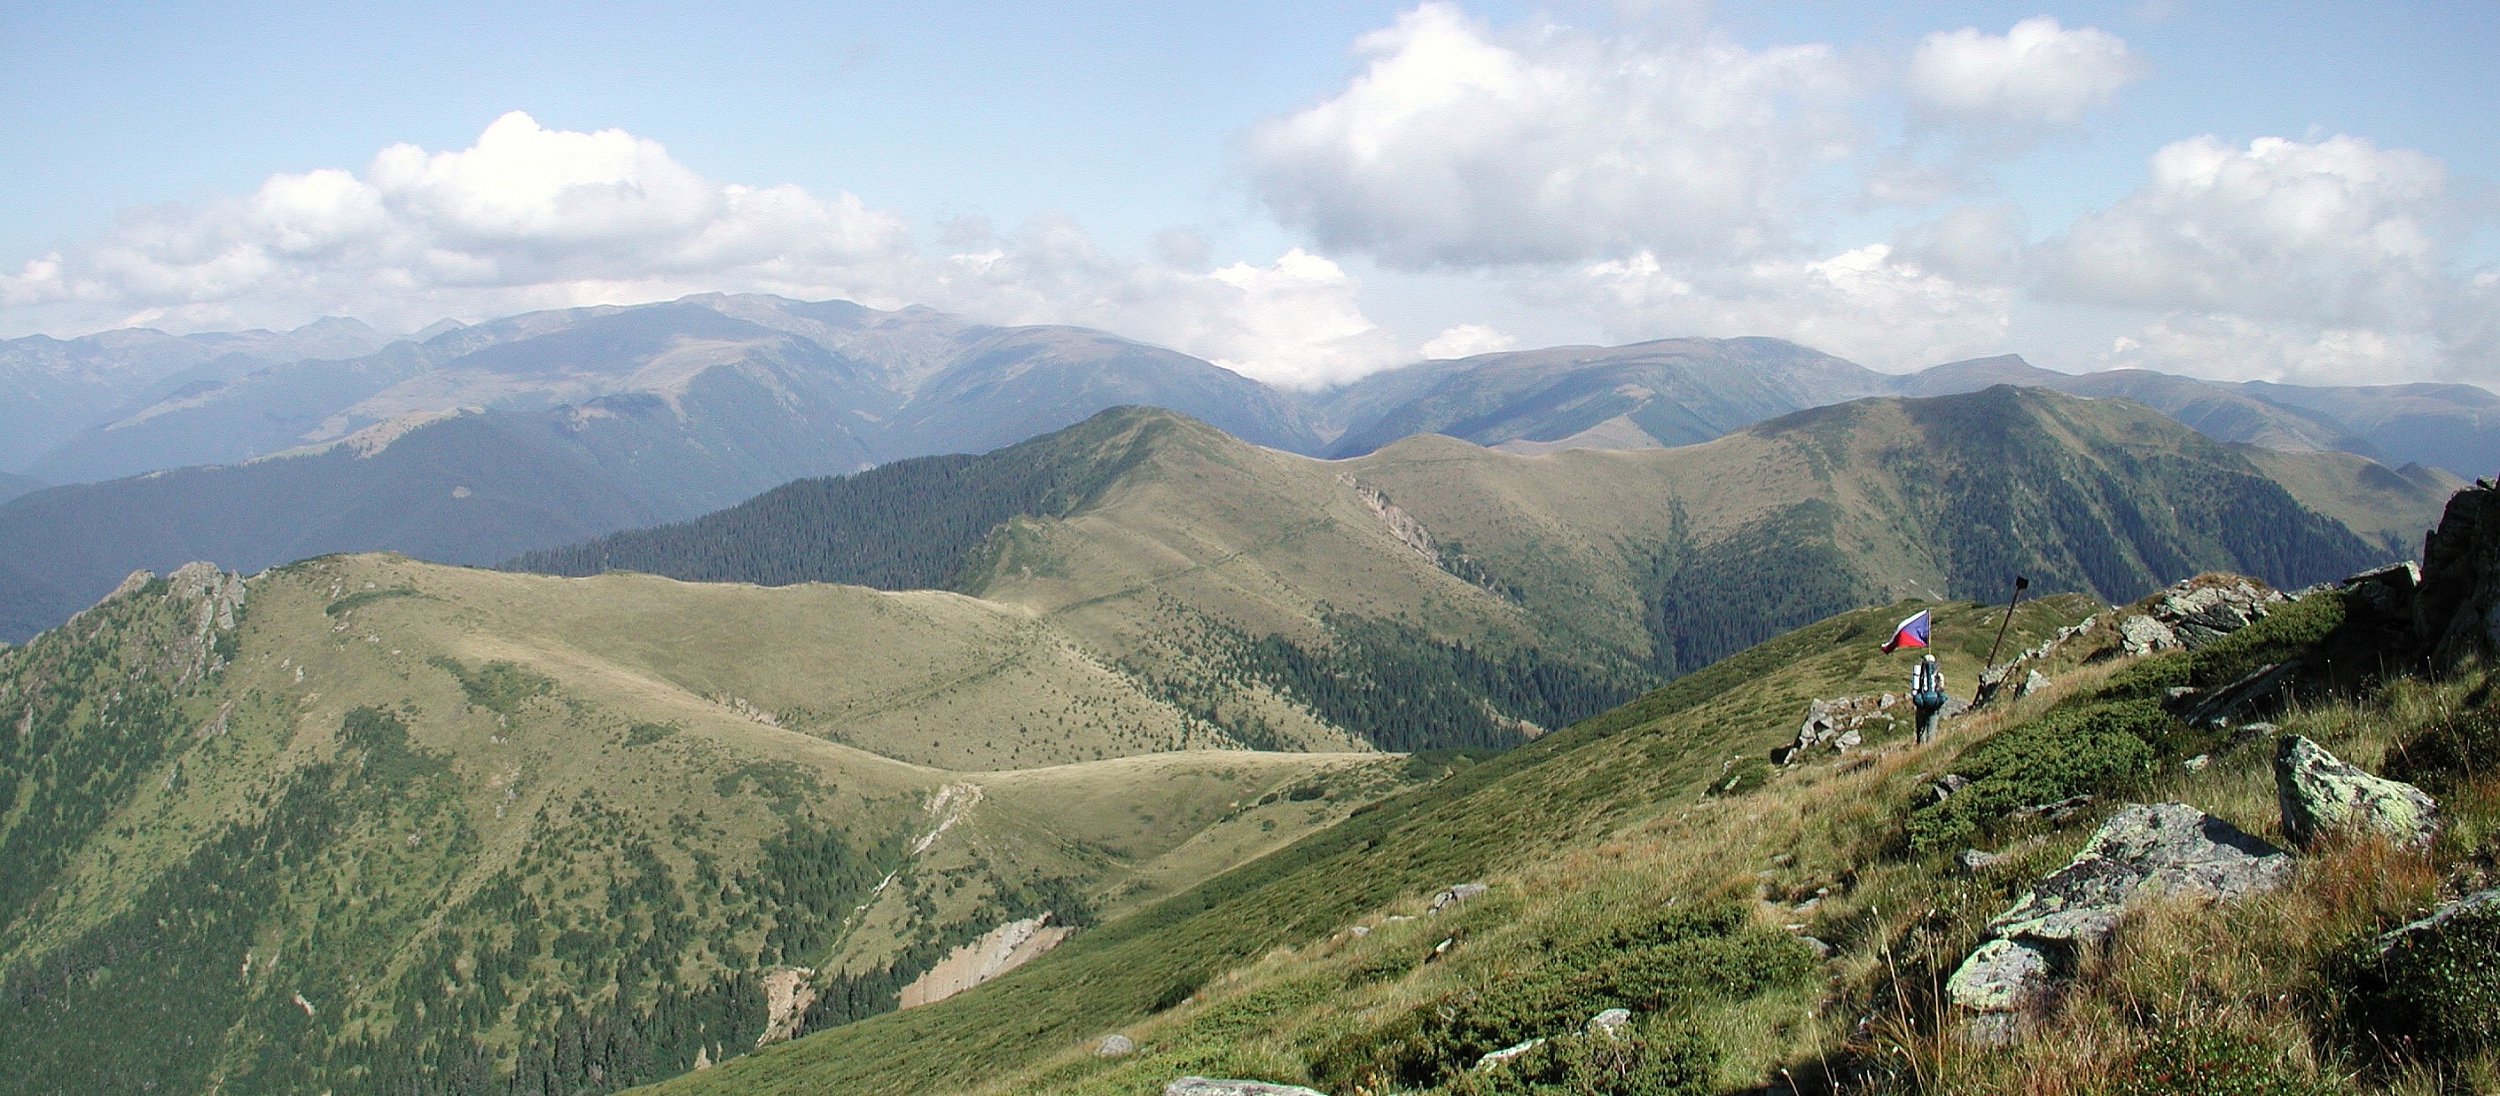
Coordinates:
x,y
1484,595
390,826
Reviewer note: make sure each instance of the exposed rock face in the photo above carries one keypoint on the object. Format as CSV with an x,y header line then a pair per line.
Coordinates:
x,y
2321,794
1210,1086
786,997
998,951
2142,851
2459,594
2386,592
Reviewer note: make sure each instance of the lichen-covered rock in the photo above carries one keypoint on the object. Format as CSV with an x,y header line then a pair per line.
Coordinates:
x,y
2320,794
1115,1046
2002,976
2144,850
1214,1086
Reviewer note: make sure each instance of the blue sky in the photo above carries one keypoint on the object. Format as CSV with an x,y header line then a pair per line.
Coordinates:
x,y
1304,192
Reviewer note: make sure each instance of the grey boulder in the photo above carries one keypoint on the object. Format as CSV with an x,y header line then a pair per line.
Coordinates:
x,y
1213,1086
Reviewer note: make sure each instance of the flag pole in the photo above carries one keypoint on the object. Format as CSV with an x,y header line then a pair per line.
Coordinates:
x,y
2020,583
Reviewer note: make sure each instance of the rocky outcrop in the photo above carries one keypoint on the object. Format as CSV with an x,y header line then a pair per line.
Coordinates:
x,y
2458,599
210,601
2194,612
2143,635
1211,1086
1841,724
2321,794
2142,851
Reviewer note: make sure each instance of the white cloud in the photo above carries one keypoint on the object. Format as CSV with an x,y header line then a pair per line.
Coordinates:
x,y
535,218
2228,347
1456,146
2039,74
1466,340
2339,231
2323,261
1867,304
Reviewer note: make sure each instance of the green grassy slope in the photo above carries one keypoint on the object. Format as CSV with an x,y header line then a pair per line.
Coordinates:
x,y
1556,797
1437,594
404,827
2390,506
1629,868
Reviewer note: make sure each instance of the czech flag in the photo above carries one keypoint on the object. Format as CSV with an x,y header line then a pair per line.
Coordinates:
x,y
1909,633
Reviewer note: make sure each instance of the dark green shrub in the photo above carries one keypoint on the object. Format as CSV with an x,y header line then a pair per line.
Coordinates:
x,y
1656,1057
2292,629
644,734
2085,750
1385,966
1681,956
2435,994
2207,1061
2150,678
497,686
1745,775
2448,753
1698,968
362,598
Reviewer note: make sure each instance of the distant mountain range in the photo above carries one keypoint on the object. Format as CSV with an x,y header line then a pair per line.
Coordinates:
x,y
470,444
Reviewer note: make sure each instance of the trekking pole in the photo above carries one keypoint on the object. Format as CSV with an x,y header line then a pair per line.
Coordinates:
x,y
2020,584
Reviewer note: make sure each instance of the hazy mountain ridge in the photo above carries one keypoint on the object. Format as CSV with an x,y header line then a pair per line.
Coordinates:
x,y
52,389
1679,391
620,417
896,384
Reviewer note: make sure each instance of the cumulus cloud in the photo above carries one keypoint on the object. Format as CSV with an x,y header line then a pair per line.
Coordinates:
x,y
1457,146
2311,260
1868,304
530,217
2338,230
2039,74
1467,340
